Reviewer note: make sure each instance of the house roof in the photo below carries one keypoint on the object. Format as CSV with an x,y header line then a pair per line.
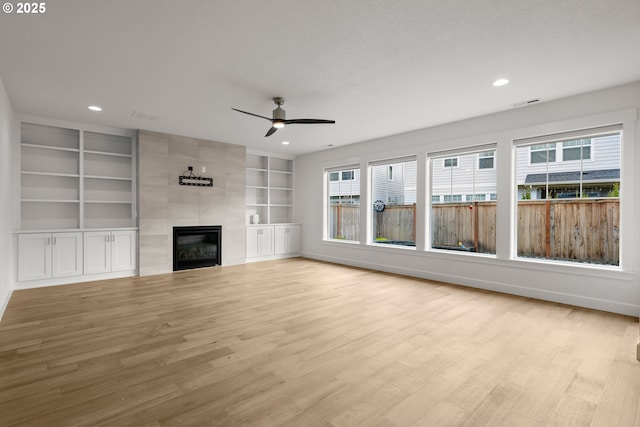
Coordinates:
x,y
377,68
602,175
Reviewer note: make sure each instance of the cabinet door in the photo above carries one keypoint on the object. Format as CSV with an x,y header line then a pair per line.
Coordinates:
x,y
259,241
34,256
123,250
266,241
97,252
66,254
281,235
253,245
287,239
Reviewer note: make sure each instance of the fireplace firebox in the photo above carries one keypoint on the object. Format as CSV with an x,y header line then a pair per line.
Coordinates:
x,y
196,247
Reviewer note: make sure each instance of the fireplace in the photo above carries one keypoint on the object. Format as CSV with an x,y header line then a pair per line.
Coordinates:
x,y
196,247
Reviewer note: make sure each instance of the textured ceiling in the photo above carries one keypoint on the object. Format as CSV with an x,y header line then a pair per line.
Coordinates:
x,y
377,67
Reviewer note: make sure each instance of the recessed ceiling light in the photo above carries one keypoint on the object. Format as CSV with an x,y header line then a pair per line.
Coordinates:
x,y
285,142
500,82
94,108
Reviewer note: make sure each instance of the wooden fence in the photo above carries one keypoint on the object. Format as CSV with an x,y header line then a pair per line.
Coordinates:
x,y
584,230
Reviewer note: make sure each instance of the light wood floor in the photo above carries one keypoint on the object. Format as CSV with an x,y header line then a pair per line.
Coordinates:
x,y
303,343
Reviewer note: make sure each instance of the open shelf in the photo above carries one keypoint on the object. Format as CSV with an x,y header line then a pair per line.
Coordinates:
x,y
71,178
269,189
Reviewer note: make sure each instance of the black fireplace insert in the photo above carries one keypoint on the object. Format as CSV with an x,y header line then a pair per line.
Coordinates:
x,y
196,246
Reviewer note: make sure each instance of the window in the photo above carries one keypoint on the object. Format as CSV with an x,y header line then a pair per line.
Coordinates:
x,y
451,162
570,210
453,198
348,175
578,149
464,223
343,204
435,199
394,202
485,159
545,153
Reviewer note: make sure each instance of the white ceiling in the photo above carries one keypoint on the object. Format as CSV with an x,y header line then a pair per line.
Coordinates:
x,y
377,67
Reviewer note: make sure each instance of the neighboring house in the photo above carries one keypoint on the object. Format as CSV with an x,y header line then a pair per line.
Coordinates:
x,y
394,184
561,169
465,177
588,167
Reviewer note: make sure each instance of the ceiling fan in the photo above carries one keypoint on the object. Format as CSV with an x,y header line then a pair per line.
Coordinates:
x,y
279,119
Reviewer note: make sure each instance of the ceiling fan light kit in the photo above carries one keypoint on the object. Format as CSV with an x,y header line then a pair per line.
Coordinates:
x,y
279,119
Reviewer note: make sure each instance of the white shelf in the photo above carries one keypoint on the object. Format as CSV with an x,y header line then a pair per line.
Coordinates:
x,y
49,201
113,178
54,192
65,175
117,202
269,189
102,153
50,147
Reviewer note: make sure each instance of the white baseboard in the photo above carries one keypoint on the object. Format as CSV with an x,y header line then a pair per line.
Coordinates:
x,y
4,301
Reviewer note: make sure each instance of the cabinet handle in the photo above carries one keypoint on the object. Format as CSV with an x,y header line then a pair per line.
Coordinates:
x,y
48,240
54,240
113,238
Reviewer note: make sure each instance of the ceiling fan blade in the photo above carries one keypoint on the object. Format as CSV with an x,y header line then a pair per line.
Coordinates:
x,y
308,121
251,114
271,131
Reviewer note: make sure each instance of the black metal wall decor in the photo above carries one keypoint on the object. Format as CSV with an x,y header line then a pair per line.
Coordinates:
x,y
191,179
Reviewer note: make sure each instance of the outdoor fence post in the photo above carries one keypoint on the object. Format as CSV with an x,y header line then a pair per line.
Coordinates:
x,y
547,238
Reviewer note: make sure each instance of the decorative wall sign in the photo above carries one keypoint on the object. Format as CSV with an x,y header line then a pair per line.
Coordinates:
x,y
191,179
199,181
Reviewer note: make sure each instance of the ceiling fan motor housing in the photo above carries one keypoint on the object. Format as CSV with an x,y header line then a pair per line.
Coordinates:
x,y
279,113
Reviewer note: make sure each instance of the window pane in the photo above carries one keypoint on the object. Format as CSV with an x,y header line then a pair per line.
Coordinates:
x,y
543,153
393,190
576,150
569,211
485,160
450,163
347,175
469,225
344,205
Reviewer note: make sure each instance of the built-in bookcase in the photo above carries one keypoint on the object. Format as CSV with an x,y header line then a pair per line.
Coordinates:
x,y
269,192
71,178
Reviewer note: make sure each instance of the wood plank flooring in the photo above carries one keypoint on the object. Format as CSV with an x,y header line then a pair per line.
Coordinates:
x,y
304,343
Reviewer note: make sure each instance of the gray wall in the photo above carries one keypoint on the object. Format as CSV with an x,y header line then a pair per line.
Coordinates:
x,y
163,203
7,186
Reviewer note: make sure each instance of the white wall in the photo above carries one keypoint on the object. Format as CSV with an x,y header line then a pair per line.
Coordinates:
x,y
8,133
610,289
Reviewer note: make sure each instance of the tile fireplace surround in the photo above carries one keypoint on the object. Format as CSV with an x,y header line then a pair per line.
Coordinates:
x,y
165,204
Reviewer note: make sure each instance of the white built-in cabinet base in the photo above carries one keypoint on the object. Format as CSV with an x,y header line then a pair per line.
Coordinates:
x,y
48,258
272,241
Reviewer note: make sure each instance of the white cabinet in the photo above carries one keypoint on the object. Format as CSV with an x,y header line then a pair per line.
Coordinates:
x,y
109,251
49,255
272,241
287,239
259,241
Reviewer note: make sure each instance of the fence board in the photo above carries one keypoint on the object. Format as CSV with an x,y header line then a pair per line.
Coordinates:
x,y
585,230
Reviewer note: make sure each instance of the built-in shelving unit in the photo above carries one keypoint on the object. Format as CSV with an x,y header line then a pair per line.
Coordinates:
x,y
50,177
76,179
269,189
77,205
